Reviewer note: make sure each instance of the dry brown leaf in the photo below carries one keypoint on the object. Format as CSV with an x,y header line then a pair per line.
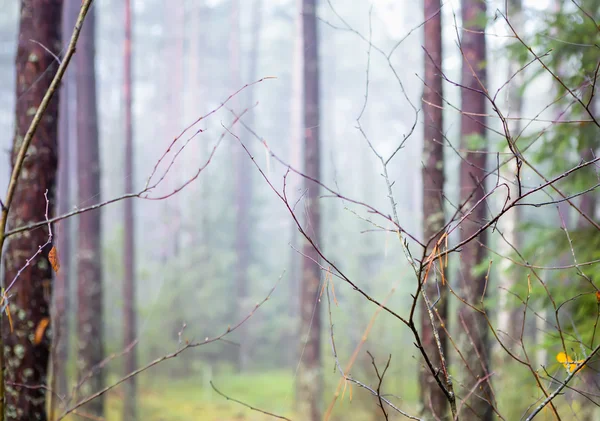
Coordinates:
x,y
40,329
9,317
53,257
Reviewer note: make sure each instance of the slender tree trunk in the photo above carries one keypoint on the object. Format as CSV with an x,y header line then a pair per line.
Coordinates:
x,y
26,362
472,172
89,257
541,354
173,85
241,189
295,160
62,282
588,205
243,184
194,95
510,315
310,382
129,313
433,398
589,144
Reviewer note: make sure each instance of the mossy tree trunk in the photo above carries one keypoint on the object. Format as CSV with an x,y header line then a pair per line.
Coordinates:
x,y
432,397
27,354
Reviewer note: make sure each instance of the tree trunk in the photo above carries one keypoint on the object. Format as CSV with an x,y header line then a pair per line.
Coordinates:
x,y
129,313
472,172
588,148
26,361
173,86
432,397
310,383
243,185
295,159
510,316
194,95
62,282
89,257
242,190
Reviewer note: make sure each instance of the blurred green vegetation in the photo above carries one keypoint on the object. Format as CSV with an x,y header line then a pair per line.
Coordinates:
x,y
162,398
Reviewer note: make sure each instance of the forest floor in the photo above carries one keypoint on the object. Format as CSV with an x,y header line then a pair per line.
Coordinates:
x,y
163,399
185,400
193,399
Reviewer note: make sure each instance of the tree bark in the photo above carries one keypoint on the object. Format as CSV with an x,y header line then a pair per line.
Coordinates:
x,y
295,159
242,191
173,91
243,183
62,282
472,188
26,358
89,257
310,383
129,311
432,397
510,316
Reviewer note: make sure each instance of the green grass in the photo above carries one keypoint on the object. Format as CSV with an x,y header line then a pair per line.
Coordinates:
x,y
164,399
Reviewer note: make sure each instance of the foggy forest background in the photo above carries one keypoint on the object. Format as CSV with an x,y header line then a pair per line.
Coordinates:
x,y
199,271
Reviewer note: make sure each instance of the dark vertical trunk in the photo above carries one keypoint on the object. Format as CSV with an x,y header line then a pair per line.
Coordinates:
x,y
472,172
26,362
309,375
62,282
432,397
89,257
129,311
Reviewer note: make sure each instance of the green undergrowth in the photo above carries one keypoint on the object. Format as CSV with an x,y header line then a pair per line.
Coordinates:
x,y
164,399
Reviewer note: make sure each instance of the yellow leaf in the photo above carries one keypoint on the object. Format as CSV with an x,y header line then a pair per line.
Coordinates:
x,y
40,329
569,364
53,258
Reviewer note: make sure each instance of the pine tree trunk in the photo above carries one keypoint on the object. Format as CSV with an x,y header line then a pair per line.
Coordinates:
x,y
26,362
129,312
295,159
241,186
62,282
310,383
432,397
244,187
474,329
510,315
89,256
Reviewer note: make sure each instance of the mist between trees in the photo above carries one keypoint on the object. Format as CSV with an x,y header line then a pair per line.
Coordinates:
x,y
302,210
